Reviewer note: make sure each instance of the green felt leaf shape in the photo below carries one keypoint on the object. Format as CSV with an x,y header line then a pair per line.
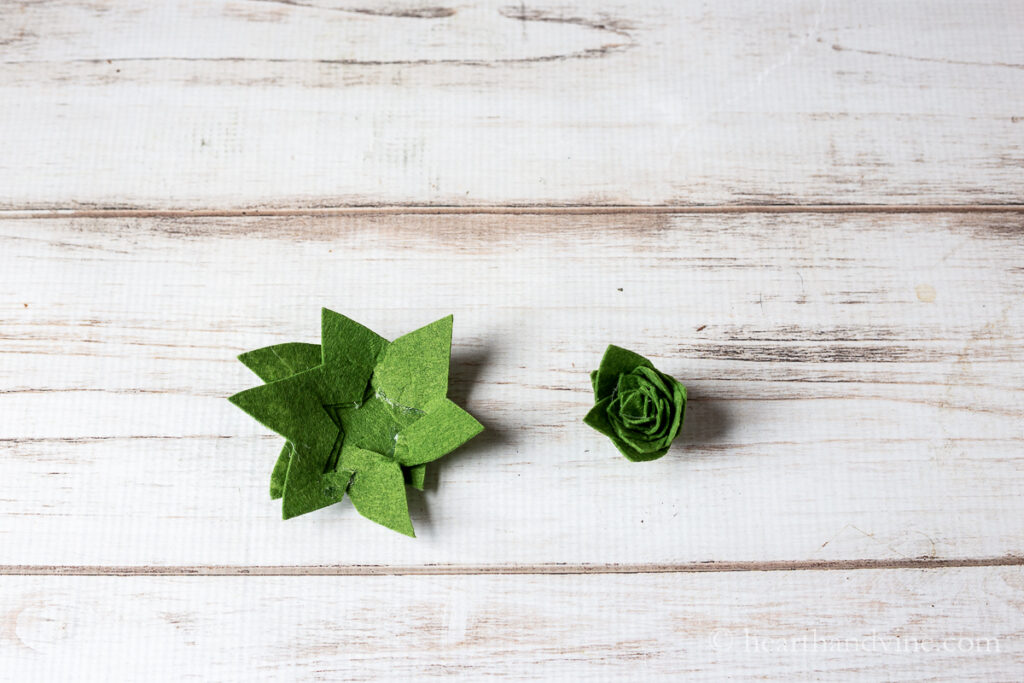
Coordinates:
x,y
361,416
443,428
350,353
272,363
639,408
413,370
280,471
276,362
377,488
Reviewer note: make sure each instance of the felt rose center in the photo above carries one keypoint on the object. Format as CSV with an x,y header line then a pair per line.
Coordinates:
x,y
646,409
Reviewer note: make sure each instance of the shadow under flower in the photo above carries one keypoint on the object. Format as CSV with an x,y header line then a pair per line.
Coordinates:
x,y
706,424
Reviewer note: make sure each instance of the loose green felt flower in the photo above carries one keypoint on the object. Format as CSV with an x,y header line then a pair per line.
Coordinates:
x,y
639,408
361,416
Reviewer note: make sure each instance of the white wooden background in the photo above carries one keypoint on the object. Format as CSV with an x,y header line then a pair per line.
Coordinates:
x,y
810,212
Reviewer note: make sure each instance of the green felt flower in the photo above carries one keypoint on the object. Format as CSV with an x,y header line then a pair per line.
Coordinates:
x,y
361,416
638,408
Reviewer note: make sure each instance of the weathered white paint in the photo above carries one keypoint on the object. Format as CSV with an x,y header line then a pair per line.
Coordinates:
x,y
274,103
953,624
855,385
855,379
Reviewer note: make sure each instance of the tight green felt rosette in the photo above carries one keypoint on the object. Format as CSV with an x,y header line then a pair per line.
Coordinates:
x,y
639,408
361,416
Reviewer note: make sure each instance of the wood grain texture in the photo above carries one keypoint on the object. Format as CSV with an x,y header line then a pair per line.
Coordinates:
x,y
280,103
753,195
959,624
855,386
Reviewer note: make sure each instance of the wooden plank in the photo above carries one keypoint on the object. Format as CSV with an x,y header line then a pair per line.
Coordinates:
x,y
280,103
855,386
958,624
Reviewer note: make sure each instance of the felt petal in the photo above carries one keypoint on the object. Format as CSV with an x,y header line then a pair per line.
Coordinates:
x,y
280,472
336,483
598,417
616,361
346,342
415,476
444,428
679,409
634,405
656,379
378,489
633,437
350,352
291,407
629,383
272,363
307,489
413,370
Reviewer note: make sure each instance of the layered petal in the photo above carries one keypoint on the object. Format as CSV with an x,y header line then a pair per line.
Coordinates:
x,y
272,363
377,489
615,362
413,370
350,352
443,428
292,408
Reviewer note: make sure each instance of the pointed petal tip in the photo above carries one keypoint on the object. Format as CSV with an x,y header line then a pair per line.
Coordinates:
x,y
446,321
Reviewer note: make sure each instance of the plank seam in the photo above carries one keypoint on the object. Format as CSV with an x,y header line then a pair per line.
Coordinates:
x,y
513,569
511,210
